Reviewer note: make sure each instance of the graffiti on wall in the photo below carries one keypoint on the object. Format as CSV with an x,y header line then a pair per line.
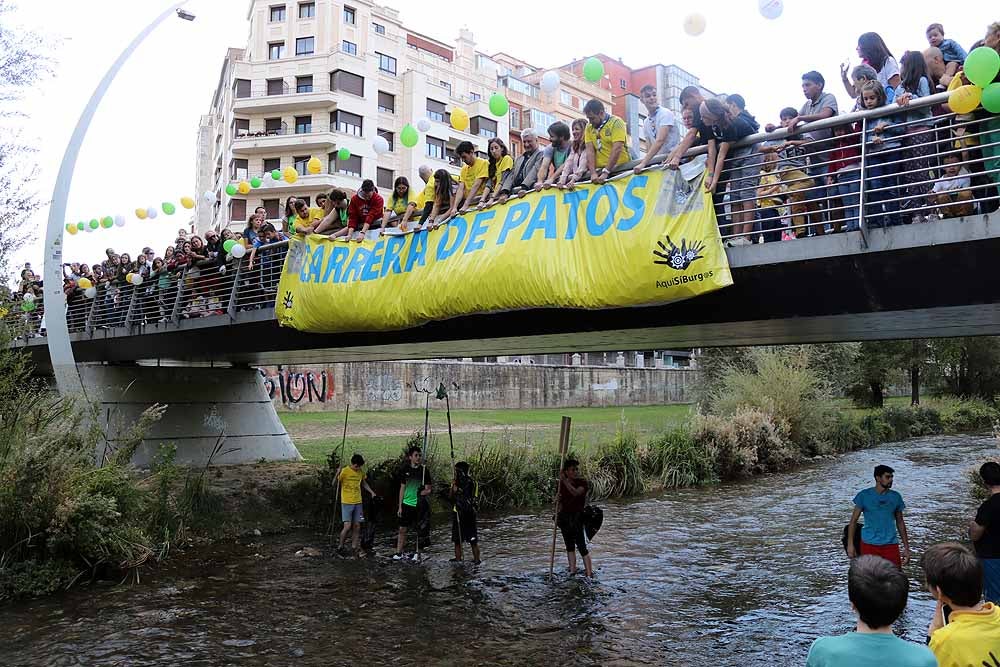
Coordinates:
x,y
293,387
384,388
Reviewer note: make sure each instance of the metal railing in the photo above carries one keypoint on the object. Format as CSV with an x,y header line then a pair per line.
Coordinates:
x,y
320,84
845,183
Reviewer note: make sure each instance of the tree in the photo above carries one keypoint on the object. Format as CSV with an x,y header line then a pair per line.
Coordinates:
x,y
970,367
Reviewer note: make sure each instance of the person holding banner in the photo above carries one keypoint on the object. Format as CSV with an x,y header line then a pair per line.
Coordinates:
x,y
474,174
572,499
606,138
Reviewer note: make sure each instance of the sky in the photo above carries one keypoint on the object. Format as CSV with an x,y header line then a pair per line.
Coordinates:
x,y
140,149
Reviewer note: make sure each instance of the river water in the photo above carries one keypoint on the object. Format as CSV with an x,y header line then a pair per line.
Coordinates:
x,y
741,574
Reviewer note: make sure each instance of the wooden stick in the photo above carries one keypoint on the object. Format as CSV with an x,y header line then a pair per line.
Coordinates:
x,y
340,462
563,450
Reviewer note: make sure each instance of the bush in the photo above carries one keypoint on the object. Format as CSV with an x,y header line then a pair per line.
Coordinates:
x,y
963,416
677,460
843,434
911,422
617,470
876,428
746,443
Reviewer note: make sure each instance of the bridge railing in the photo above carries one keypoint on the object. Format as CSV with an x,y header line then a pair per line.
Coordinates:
x,y
851,183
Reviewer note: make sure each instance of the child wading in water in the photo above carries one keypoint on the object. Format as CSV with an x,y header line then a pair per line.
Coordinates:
x,y
464,491
351,480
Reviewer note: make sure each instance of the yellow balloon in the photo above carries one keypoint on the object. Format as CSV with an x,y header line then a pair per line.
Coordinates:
x,y
187,202
459,119
128,277
243,188
314,166
84,283
140,213
72,229
956,82
290,175
965,99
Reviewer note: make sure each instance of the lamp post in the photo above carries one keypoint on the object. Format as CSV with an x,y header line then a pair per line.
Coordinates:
x,y
60,349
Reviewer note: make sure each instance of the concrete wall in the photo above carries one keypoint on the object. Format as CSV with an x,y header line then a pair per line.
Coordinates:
x,y
391,385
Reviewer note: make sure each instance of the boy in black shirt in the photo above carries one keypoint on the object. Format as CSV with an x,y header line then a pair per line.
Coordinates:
x,y
464,491
985,532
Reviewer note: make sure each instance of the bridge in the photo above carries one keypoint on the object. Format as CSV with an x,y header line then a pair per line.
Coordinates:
x,y
880,281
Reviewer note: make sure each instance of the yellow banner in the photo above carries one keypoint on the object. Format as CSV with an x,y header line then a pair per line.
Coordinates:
x,y
636,241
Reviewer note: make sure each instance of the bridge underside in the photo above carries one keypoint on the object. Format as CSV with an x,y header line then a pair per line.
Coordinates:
x,y
916,281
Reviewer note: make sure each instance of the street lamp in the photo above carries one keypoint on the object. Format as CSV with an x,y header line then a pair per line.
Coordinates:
x,y
57,333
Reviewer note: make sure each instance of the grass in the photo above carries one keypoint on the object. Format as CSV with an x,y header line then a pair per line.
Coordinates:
x,y
317,433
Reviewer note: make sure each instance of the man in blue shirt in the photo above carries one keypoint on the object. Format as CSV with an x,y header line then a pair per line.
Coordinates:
x,y
883,510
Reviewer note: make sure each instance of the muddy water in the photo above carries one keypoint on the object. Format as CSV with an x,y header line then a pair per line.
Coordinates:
x,y
745,574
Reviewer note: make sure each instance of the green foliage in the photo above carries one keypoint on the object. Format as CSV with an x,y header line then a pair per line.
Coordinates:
x,y
974,414
843,434
745,443
677,460
911,422
617,470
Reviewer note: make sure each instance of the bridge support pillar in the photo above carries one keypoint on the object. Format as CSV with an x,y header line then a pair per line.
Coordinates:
x,y
202,404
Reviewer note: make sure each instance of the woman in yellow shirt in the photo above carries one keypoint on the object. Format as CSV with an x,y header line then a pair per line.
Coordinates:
x,y
397,203
500,163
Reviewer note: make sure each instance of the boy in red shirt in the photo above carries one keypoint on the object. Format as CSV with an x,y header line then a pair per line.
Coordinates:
x,y
365,209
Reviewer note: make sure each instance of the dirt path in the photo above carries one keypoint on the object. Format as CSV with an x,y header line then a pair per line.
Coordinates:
x,y
323,431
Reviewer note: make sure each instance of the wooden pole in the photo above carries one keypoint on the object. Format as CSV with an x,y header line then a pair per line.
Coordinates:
x,y
454,473
340,462
563,450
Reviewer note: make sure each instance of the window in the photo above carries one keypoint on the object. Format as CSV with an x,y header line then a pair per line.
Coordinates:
x,y
484,127
386,63
275,50
307,10
238,169
351,166
384,178
303,84
238,210
272,208
446,86
274,126
347,82
277,14
276,87
300,164
349,15
346,122
435,110
303,124
272,163
241,126
349,47
515,119
378,28
475,97
565,98
435,148
622,84
540,121
241,88
387,135
386,102
305,46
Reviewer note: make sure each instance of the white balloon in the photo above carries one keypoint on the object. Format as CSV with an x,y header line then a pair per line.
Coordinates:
x,y
381,145
694,24
88,229
150,212
423,125
550,81
209,196
267,179
29,297
238,251
770,9
136,279
90,292
119,221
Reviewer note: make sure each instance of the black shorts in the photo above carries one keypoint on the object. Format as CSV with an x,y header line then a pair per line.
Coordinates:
x,y
409,517
464,524
571,526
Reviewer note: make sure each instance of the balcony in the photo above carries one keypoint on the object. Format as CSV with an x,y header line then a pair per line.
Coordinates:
x,y
319,138
309,184
268,97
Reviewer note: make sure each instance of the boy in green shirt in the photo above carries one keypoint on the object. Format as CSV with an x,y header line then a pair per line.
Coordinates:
x,y
415,481
351,480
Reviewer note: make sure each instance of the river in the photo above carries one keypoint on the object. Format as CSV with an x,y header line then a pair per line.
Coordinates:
x,y
740,574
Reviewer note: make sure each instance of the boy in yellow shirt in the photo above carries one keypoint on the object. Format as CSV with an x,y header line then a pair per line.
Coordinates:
x,y
351,480
606,141
970,635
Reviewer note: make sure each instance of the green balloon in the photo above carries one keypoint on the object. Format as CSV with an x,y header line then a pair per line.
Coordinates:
x,y
255,182
81,226
228,244
275,174
408,137
28,306
344,154
107,222
991,98
593,69
982,65
231,190
499,105
94,224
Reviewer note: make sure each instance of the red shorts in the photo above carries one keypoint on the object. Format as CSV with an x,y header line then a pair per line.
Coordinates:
x,y
890,552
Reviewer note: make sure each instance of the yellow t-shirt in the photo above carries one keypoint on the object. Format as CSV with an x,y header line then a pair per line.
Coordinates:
x,y
505,164
350,486
398,205
427,194
768,179
969,638
471,173
612,130
315,215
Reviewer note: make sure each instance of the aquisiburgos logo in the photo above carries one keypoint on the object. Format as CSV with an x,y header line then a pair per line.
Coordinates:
x,y
679,259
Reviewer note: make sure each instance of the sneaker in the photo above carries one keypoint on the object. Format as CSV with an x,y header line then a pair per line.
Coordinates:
x,y
741,240
397,556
